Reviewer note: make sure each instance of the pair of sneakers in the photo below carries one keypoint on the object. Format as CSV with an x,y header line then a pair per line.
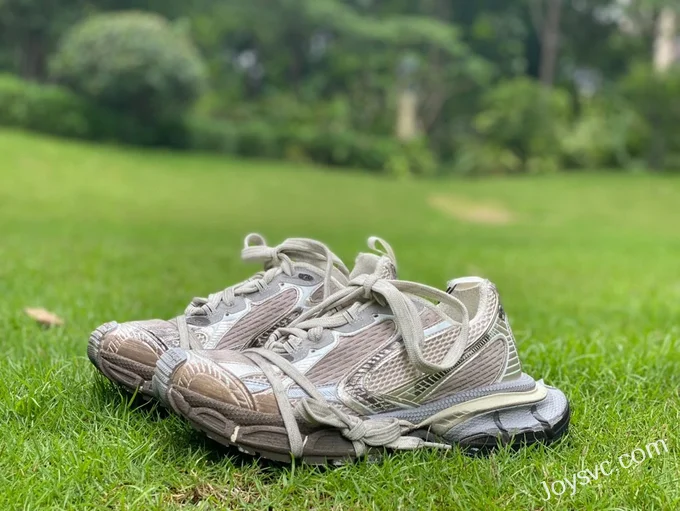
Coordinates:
x,y
309,360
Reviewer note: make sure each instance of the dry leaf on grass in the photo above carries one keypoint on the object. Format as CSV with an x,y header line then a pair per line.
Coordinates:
x,y
44,317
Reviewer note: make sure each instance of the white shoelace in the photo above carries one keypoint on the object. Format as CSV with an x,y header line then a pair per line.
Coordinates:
x,y
276,260
316,410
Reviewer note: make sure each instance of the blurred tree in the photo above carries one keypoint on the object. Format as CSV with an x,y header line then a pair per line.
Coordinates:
x,y
546,16
655,22
655,96
417,69
29,30
665,44
316,50
132,61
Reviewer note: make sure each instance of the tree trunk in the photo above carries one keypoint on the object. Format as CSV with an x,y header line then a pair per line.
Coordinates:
x,y
664,44
664,57
32,58
550,39
407,115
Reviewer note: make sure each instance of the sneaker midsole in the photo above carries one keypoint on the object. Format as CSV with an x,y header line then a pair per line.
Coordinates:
x,y
446,419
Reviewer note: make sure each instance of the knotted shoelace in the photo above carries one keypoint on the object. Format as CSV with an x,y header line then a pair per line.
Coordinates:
x,y
276,260
316,410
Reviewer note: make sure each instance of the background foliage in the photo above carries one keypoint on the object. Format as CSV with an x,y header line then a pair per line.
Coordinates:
x,y
131,61
494,86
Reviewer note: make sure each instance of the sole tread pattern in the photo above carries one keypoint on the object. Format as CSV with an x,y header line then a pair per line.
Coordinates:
x,y
220,428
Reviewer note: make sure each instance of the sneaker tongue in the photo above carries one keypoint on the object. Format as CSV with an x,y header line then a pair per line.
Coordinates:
x,y
321,265
381,266
470,291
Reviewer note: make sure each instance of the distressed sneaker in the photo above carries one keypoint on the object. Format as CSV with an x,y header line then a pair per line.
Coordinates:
x,y
381,364
298,274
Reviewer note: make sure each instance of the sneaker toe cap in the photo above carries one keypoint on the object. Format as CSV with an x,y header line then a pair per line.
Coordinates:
x,y
206,377
137,341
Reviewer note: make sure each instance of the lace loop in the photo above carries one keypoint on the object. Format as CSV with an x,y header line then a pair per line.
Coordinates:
x,y
253,239
380,246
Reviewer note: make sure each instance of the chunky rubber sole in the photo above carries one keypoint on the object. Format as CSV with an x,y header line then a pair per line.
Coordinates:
x,y
544,421
124,372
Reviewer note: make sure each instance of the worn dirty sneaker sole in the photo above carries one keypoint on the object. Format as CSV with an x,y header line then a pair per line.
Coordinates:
x,y
229,425
128,374
478,424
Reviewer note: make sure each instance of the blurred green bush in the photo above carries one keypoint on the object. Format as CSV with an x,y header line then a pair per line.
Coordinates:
x,y
655,97
304,143
45,108
525,127
57,111
519,129
133,61
608,133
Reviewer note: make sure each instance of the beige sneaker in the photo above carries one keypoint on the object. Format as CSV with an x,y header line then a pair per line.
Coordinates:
x,y
381,364
298,274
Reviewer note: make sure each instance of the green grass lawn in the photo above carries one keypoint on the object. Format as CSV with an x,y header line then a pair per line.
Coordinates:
x,y
588,265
